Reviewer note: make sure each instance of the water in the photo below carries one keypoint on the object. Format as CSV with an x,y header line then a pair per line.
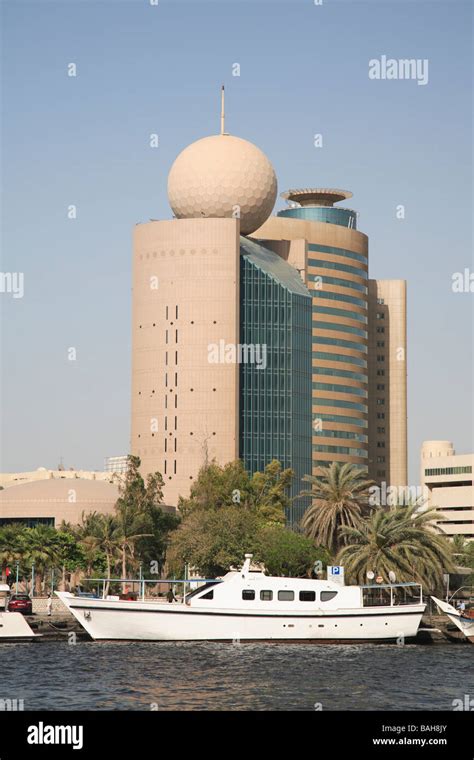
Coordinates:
x,y
213,676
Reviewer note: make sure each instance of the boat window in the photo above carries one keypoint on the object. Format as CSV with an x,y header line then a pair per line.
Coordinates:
x,y
374,596
248,594
266,596
209,595
286,596
307,596
326,596
200,589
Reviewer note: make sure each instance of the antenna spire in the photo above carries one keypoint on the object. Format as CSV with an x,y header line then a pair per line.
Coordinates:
x,y
222,110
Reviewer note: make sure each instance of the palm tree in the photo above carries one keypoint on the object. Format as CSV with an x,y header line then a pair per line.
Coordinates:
x,y
339,494
401,539
132,525
107,539
11,545
40,550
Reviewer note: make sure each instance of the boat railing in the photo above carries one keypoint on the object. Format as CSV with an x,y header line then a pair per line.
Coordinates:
x,y
391,595
136,588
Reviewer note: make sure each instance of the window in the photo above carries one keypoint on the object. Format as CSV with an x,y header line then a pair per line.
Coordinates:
x,y
380,358
380,401
266,596
286,596
380,415
248,594
380,430
209,595
380,386
381,372
380,301
307,596
380,329
380,344
449,470
380,444
326,596
380,315
380,460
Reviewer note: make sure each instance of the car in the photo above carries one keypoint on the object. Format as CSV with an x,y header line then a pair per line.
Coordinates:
x,y
21,603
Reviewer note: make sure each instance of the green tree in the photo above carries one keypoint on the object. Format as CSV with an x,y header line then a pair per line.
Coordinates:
x,y
219,486
40,549
289,554
401,539
339,496
212,540
138,500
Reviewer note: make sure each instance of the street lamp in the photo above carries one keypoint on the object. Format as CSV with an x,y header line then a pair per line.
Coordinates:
x,y
17,573
32,579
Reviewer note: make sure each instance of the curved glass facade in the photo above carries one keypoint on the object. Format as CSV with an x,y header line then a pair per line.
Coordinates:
x,y
345,217
275,399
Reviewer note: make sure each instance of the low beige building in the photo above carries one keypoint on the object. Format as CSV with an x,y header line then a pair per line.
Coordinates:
x,y
50,501
8,479
448,485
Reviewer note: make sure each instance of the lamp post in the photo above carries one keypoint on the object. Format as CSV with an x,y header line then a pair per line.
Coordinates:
x,y
17,573
32,579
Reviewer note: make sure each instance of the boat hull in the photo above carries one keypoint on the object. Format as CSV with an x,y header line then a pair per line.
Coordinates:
x,y
14,628
465,624
125,621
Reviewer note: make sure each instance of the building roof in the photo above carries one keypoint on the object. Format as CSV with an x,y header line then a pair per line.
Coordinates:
x,y
57,490
273,265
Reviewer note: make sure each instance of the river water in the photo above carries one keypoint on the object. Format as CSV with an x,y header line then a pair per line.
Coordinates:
x,y
214,676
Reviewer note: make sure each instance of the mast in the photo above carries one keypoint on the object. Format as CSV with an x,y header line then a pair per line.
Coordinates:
x,y
222,110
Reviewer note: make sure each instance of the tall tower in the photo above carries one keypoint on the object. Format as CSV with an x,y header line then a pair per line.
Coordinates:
x,y
388,382
203,294
322,242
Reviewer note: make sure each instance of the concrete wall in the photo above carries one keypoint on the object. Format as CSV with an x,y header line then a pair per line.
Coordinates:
x,y
388,355
185,297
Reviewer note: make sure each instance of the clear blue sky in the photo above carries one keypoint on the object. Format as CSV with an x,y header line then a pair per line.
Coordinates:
x,y
143,69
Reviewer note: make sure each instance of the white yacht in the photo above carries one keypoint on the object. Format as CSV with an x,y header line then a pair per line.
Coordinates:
x,y
247,605
463,619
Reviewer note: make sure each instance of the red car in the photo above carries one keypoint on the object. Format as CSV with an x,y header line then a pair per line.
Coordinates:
x,y
21,603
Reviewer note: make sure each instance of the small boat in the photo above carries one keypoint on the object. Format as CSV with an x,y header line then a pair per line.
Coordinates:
x,y
463,619
14,628
246,605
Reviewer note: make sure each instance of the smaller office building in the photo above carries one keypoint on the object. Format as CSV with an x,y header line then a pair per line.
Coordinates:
x,y
446,478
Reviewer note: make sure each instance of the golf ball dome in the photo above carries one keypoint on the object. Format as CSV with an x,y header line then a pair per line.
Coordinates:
x,y
223,176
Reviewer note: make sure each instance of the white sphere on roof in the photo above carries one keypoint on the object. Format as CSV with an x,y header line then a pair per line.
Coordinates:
x,y
223,176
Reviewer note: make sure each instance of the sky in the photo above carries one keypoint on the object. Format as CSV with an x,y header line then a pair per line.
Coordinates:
x,y
144,69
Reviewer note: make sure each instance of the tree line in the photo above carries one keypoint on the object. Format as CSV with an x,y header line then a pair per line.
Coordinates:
x,y
229,513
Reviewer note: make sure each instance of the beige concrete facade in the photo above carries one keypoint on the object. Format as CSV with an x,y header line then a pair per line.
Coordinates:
x,y
185,299
387,382
292,239
57,499
9,479
448,484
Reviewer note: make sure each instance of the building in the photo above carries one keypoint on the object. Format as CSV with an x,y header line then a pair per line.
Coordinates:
x,y
446,478
221,333
9,479
222,276
322,242
387,400
359,344
119,464
49,502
